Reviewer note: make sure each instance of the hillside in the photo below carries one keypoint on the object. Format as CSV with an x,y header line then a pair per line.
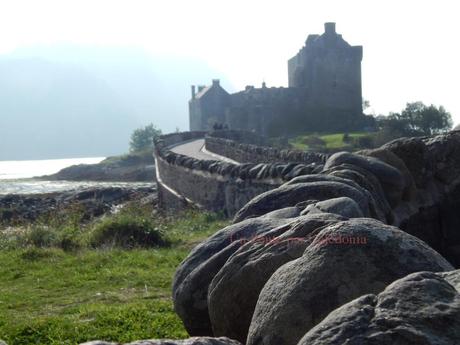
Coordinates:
x,y
69,101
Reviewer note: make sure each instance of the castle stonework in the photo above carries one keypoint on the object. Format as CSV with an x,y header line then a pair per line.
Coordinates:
x,y
324,94
329,69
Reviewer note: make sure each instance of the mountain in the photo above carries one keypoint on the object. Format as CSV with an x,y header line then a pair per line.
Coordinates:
x,y
73,101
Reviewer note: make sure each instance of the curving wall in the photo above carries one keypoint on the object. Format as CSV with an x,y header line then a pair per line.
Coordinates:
x,y
215,185
248,147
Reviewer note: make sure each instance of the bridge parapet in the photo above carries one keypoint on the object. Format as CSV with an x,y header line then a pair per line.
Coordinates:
x,y
215,185
247,147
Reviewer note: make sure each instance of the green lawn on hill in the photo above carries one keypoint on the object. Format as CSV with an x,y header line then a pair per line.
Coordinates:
x,y
333,141
50,296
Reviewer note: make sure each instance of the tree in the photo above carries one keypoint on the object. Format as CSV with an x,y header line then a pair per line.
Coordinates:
x,y
142,138
427,120
366,104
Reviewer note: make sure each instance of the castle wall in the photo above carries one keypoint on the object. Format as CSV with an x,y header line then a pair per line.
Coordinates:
x,y
324,83
208,108
330,71
195,120
257,109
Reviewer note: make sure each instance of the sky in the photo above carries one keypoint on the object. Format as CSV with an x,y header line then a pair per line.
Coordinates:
x,y
411,48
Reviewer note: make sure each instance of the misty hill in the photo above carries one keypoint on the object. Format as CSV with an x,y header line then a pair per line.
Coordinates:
x,y
69,101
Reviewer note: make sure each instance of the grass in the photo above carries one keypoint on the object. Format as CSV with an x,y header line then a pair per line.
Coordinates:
x,y
333,141
52,296
132,158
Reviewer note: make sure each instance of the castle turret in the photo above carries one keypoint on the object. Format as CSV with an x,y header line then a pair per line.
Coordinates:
x,y
329,28
329,69
193,92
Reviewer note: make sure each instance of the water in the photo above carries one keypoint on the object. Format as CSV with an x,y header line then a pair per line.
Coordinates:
x,y
38,187
11,170
16,176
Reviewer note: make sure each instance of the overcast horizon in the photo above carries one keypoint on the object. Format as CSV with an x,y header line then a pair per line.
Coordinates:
x,y
409,47
161,48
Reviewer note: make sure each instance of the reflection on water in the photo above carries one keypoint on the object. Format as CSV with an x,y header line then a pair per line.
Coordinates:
x,y
37,187
25,169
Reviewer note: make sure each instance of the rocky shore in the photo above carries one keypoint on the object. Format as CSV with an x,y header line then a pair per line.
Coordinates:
x,y
133,167
90,201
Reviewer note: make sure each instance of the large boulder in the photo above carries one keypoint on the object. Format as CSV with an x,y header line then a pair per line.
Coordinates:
x,y
346,260
434,163
233,292
390,158
292,194
391,178
287,212
420,309
379,206
367,180
342,206
192,278
430,160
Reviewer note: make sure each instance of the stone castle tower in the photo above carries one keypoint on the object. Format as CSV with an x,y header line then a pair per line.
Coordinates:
x,y
329,70
324,94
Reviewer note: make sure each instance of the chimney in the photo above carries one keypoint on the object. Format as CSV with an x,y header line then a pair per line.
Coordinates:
x,y
329,28
215,82
193,91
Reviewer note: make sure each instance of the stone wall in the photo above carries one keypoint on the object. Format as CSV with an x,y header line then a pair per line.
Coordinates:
x,y
215,185
237,146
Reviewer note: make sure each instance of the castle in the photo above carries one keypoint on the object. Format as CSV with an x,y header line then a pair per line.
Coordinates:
x,y
324,94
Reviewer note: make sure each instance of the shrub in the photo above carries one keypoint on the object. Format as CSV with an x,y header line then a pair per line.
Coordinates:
x,y
40,236
36,254
127,231
69,238
142,138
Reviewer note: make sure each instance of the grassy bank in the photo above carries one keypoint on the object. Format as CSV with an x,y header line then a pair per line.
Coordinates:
x,y
330,142
118,291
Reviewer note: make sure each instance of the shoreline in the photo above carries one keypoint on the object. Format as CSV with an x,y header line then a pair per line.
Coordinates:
x,y
34,186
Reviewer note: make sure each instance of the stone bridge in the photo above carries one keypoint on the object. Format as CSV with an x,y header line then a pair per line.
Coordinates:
x,y
223,170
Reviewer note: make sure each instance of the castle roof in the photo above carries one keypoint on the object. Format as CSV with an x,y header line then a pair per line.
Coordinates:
x,y
214,86
203,91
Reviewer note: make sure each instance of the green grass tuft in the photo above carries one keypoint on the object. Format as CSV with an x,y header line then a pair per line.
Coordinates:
x,y
49,295
328,142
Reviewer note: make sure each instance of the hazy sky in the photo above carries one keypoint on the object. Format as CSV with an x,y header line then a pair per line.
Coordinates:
x,y
411,48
